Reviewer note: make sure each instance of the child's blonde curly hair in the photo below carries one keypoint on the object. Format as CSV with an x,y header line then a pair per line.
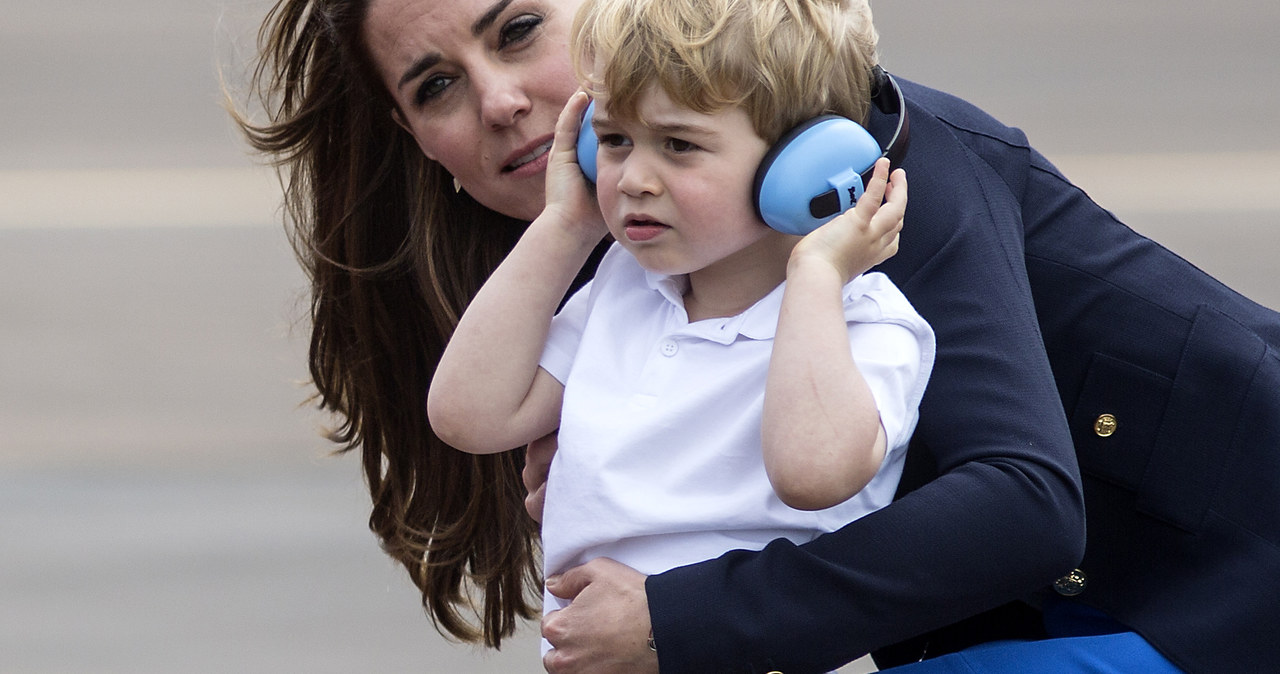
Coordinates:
x,y
783,61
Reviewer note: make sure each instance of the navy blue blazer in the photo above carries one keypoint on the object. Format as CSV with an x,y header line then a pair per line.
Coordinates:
x,y
1081,368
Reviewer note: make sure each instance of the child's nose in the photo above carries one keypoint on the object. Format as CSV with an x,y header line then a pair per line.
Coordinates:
x,y
638,177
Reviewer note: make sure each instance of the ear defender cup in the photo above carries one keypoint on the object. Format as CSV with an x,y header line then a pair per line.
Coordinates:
x,y
818,170
814,173
587,144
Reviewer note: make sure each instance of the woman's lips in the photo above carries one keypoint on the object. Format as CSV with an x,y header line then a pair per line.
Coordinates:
x,y
533,161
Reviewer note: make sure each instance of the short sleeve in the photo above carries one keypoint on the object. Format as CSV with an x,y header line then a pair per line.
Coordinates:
x,y
565,334
894,349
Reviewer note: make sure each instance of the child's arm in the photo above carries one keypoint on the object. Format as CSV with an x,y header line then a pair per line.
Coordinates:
x,y
488,393
823,440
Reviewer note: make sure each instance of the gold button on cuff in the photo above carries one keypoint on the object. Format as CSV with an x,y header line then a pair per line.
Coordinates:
x,y
1105,425
1071,584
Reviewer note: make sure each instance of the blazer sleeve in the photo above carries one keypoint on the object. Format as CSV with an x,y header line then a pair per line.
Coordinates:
x,y
1004,516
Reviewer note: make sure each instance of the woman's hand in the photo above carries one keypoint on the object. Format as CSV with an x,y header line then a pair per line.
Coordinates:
x,y
863,236
570,197
605,627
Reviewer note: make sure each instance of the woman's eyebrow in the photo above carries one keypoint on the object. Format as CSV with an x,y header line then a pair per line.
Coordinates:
x,y
420,66
482,24
477,29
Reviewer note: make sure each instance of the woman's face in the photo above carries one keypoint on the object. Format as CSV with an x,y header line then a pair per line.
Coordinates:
x,y
479,84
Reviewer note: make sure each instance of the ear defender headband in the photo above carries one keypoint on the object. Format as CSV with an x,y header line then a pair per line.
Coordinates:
x,y
816,171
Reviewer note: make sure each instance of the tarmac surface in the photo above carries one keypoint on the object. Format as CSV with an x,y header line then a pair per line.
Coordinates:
x,y
166,502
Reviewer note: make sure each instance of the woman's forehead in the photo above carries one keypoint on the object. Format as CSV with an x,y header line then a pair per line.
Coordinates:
x,y
441,25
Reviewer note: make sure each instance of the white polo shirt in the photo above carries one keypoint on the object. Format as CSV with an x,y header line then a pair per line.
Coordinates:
x,y
659,461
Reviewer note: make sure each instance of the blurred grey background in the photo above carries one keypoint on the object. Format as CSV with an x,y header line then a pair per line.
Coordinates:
x,y
166,501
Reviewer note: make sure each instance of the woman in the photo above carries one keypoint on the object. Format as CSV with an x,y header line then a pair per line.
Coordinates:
x,y
395,245
379,109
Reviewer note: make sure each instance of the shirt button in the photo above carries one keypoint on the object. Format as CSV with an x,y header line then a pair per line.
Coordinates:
x,y
669,348
1071,584
1105,425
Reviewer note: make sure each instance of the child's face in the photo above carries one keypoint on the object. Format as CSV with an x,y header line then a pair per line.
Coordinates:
x,y
675,186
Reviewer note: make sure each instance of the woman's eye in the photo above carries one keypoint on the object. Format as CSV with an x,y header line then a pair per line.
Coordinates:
x,y
518,29
431,88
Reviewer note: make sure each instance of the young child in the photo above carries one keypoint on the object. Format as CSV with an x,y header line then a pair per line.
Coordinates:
x,y
719,384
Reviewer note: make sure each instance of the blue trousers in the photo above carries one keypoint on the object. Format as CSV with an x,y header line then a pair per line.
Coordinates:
x,y
1081,641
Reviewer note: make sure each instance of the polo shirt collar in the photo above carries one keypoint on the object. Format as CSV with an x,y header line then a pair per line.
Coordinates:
x,y
759,321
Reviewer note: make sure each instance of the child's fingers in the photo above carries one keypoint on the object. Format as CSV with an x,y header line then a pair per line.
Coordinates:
x,y
566,139
874,191
895,198
866,235
896,189
889,250
565,181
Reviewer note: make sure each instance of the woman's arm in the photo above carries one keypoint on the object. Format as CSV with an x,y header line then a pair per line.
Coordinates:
x,y
488,393
823,440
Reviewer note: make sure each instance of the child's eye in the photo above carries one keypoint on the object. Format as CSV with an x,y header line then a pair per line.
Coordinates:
x,y
680,146
614,140
518,29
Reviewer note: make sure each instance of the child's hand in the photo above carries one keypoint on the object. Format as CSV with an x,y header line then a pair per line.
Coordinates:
x,y
571,198
865,235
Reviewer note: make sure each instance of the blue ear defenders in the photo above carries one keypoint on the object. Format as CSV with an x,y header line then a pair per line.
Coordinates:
x,y
588,144
816,171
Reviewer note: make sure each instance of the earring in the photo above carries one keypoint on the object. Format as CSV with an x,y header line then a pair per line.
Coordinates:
x,y
457,186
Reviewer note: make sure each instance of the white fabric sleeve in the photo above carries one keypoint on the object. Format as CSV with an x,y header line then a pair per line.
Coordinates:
x,y
566,333
894,349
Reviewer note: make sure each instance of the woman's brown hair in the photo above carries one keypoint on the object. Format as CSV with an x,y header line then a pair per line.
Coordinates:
x,y
393,255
